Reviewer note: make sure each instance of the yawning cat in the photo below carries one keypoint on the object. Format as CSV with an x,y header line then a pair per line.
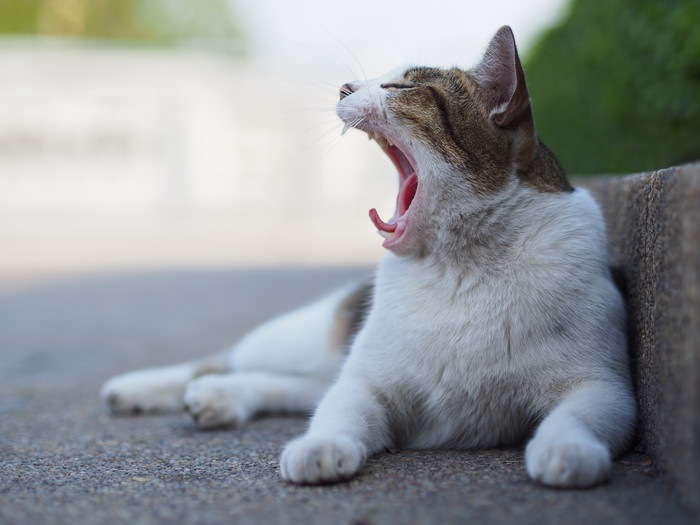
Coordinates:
x,y
493,318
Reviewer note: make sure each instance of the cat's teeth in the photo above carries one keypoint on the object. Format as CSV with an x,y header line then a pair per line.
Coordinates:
x,y
386,235
346,127
379,139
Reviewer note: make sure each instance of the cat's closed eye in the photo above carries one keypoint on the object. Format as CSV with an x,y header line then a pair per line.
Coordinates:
x,y
395,86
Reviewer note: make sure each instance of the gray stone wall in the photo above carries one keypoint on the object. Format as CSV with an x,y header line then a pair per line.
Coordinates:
x,y
654,236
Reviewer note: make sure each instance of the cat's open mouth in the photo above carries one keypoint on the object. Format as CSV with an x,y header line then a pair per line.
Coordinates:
x,y
394,229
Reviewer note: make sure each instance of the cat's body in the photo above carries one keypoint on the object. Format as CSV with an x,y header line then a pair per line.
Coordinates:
x,y
494,317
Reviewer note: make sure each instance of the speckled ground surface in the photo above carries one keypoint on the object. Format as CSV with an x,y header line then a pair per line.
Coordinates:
x,y
64,460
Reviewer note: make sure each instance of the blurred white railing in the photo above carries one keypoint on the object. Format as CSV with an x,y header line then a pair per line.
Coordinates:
x,y
116,158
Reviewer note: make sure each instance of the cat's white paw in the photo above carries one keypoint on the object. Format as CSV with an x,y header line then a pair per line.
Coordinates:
x,y
145,391
220,400
568,464
310,460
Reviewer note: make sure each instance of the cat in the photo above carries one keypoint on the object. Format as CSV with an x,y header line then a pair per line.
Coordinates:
x,y
492,320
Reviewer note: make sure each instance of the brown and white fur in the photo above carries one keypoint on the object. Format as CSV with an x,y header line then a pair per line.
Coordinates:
x,y
492,320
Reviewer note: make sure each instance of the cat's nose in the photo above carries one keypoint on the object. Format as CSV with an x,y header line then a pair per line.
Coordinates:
x,y
347,89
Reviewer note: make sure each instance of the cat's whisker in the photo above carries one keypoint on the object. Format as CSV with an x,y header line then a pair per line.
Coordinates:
x,y
331,87
328,130
311,109
329,57
418,42
315,115
346,48
320,154
353,124
323,142
324,151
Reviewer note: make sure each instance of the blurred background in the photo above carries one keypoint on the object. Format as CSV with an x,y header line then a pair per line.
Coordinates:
x,y
141,134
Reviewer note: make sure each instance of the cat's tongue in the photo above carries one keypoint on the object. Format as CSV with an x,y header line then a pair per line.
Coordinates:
x,y
388,227
393,230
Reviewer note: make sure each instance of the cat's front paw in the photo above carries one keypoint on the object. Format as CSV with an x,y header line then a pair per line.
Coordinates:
x,y
310,460
567,464
157,390
220,400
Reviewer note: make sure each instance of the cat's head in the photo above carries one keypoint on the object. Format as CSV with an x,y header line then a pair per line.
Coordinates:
x,y
458,138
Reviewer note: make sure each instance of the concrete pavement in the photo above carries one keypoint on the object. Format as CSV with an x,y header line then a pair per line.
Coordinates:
x,y
64,460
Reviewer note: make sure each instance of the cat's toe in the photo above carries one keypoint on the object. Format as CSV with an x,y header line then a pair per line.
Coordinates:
x,y
218,401
119,400
569,464
112,402
143,391
313,461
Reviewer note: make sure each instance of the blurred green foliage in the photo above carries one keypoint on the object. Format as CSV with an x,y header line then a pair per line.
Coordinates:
x,y
616,85
145,22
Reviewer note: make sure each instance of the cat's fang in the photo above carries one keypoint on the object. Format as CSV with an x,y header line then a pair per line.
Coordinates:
x,y
381,140
346,127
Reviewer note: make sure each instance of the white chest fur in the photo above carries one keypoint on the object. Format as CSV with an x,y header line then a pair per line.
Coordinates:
x,y
455,354
474,356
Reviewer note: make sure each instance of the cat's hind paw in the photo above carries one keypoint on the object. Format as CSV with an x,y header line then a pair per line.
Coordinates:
x,y
220,400
568,464
310,460
157,390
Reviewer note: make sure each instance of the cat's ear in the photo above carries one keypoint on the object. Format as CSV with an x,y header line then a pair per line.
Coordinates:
x,y
501,76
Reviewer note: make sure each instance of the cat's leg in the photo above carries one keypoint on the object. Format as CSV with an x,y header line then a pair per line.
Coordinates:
x,y
349,425
158,390
299,342
575,443
308,342
232,399
311,341
285,365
